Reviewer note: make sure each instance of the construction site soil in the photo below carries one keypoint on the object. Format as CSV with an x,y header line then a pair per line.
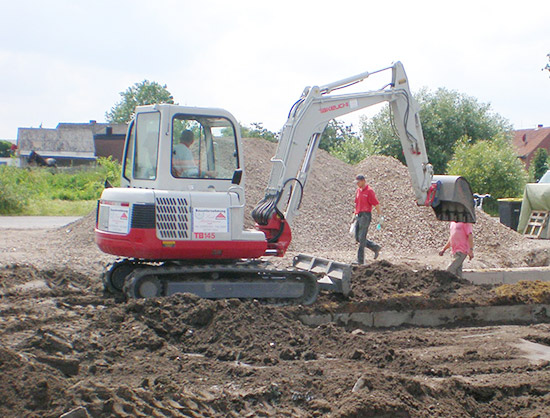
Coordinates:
x,y
68,348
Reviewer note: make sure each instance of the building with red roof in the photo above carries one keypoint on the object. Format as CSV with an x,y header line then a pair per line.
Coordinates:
x,y
528,141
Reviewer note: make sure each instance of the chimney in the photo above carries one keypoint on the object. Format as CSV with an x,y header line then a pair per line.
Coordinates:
x,y
524,138
109,130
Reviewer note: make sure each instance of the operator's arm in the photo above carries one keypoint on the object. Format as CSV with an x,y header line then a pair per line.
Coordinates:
x,y
184,168
378,210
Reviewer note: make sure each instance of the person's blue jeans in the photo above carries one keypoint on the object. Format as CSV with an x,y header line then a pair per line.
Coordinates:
x,y
361,229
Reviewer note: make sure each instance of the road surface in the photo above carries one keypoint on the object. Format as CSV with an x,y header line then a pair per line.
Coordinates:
x,y
35,222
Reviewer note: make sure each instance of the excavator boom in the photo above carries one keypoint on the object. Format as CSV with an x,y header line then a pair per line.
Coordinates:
x,y
449,196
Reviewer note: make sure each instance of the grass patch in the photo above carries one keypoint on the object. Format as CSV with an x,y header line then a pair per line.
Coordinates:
x,y
525,292
59,207
51,192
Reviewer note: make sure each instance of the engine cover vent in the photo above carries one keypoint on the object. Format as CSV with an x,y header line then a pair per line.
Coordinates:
x,y
173,218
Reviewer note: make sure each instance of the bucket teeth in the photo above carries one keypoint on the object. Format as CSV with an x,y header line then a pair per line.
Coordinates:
x,y
454,200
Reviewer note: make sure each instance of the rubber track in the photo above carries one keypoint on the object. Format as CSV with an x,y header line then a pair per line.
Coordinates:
x,y
256,275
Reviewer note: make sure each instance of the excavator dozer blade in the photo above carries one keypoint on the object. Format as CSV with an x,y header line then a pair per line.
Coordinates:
x,y
336,276
454,200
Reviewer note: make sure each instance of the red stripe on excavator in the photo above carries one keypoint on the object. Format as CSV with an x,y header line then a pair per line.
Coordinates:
x,y
278,234
143,243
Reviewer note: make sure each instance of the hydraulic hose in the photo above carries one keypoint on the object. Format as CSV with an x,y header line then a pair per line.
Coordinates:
x,y
263,211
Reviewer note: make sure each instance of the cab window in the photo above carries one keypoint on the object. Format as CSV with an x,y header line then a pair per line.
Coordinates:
x,y
203,147
129,155
146,146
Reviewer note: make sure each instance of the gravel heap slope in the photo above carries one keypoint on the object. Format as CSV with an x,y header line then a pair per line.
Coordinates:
x,y
322,226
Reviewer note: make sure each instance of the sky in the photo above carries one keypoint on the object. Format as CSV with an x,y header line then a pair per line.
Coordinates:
x,y
68,60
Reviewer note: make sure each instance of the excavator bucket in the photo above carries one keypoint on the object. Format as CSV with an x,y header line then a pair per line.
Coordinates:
x,y
335,276
453,200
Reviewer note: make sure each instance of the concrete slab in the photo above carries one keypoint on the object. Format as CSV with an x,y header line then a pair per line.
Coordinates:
x,y
533,351
435,317
507,276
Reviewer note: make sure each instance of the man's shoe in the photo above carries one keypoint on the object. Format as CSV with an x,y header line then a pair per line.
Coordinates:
x,y
376,251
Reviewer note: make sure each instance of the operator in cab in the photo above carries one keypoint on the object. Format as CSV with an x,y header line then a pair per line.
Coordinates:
x,y
183,160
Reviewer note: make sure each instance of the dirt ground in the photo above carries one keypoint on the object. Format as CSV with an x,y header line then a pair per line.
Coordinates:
x,y
65,346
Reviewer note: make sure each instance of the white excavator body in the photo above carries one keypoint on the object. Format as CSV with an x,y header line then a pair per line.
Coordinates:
x,y
178,216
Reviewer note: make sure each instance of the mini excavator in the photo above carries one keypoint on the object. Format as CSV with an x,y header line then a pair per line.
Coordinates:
x,y
177,219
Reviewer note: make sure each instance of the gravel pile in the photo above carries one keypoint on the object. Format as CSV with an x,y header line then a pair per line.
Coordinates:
x,y
408,230
322,226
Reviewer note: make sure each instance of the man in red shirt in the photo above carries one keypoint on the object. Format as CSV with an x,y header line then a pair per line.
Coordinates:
x,y
461,242
365,200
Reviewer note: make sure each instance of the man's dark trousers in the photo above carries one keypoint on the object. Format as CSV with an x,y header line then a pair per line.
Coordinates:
x,y
361,229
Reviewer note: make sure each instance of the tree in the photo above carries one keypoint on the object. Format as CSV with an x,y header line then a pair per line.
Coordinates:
x,y
258,131
380,132
353,150
539,164
445,116
335,133
5,148
490,166
144,93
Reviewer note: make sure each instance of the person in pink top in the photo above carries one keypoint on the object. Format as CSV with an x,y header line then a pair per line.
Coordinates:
x,y
461,242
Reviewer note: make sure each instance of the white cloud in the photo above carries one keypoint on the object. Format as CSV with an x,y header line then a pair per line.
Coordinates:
x,y
69,60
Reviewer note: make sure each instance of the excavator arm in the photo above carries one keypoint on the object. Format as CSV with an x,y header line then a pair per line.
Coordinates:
x,y
449,196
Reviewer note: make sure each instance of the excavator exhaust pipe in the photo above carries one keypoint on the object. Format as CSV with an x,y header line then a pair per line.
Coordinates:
x,y
453,199
333,276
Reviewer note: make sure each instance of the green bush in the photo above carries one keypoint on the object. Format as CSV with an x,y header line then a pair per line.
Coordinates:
x,y
539,165
490,167
111,170
21,187
353,150
10,201
5,148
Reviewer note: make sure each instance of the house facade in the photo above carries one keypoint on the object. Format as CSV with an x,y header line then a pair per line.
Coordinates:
x,y
70,144
527,141
110,143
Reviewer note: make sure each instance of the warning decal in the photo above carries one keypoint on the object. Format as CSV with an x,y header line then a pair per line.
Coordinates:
x,y
210,220
118,219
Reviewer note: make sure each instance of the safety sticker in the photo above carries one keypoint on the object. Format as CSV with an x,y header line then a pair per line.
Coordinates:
x,y
210,220
119,219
